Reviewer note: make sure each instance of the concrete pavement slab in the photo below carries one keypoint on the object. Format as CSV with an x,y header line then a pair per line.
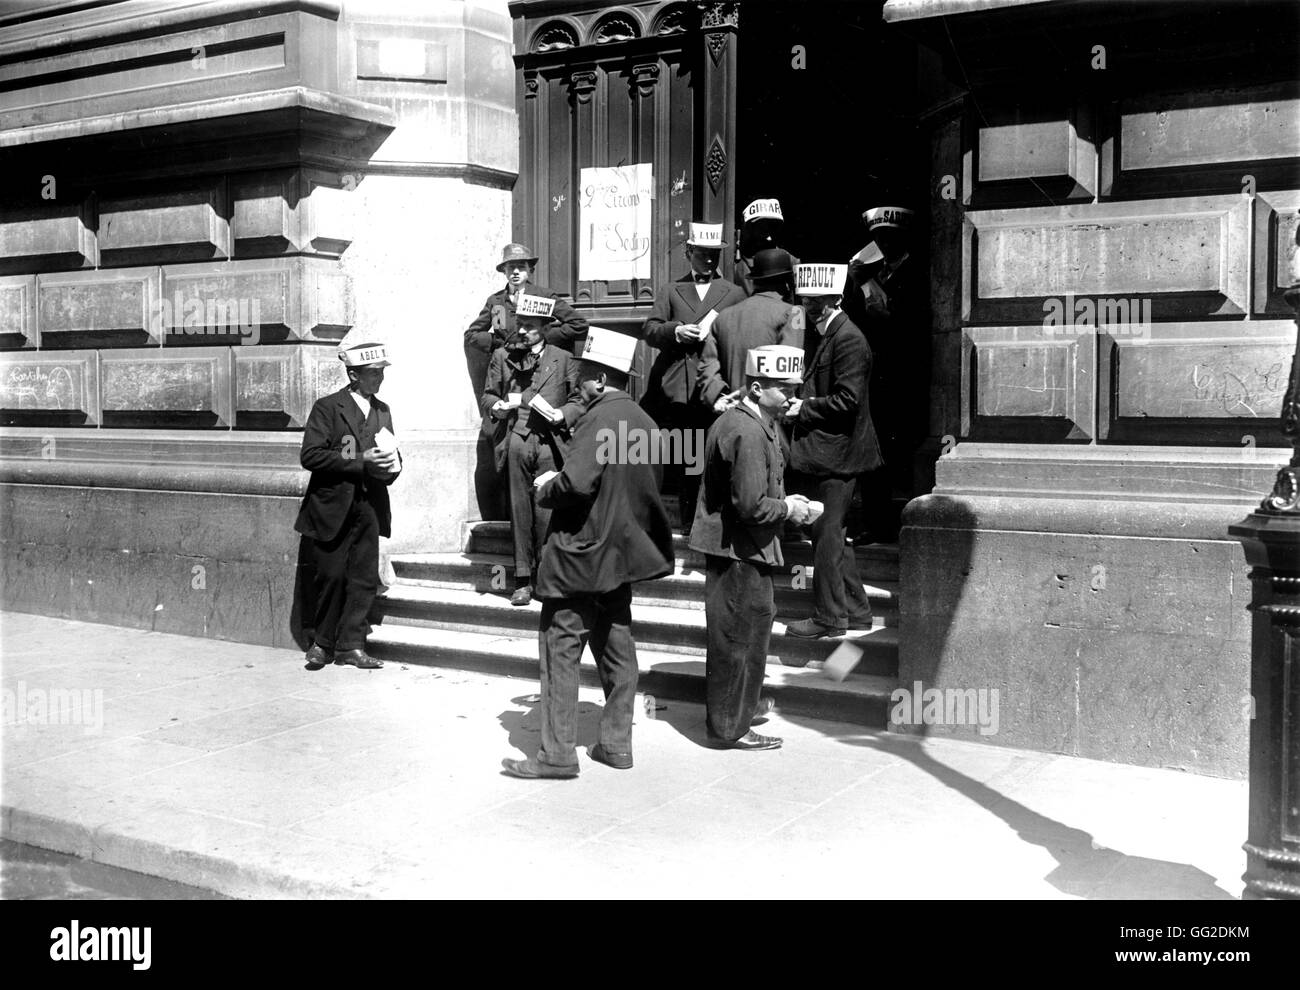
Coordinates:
x,y
236,769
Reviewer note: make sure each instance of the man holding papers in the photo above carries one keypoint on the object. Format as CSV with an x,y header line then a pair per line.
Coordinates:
x,y
529,403
678,325
349,448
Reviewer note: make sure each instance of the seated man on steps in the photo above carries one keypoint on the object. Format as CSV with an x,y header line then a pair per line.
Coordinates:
x,y
530,402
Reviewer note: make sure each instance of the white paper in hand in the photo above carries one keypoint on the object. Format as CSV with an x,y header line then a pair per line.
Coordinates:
x,y
543,478
841,662
546,409
386,443
815,510
706,323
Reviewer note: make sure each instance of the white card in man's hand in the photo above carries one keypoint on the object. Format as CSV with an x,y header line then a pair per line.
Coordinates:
x,y
869,255
543,478
546,409
385,441
815,510
706,324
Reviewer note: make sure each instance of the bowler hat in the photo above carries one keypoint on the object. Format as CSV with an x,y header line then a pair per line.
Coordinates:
x,y
770,263
515,252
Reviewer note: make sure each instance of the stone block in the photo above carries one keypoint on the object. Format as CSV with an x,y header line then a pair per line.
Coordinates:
x,y
283,212
275,386
105,308
1189,257
56,234
1027,382
38,389
1277,215
1127,649
179,224
272,299
18,312
1207,140
1197,372
1030,156
183,387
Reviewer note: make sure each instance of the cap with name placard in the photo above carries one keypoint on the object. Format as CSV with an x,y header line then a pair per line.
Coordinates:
x,y
779,362
763,209
364,356
820,280
528,305
610,348
897,217
706,235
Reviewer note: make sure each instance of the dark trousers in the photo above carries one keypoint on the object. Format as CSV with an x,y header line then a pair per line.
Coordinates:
x,y
738,609
838,596
678,479
489,483
526,458
568,624
347,578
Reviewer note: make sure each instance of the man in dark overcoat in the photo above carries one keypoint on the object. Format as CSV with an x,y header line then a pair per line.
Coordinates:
x,y
833,442
349,448
609,530
738,523
766,317
674,328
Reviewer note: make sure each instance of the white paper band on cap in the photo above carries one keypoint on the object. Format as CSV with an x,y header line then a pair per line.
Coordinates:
x,y
888,216
820,280
705,235
763,209
355,357
610,348
779,361
534,306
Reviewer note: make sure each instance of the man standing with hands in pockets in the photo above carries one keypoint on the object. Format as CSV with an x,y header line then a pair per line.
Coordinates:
x,y
742,510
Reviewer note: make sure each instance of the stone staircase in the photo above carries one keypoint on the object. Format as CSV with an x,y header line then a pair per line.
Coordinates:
x,y
453,610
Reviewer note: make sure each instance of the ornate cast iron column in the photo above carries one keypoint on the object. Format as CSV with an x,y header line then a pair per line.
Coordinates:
x,y
1271,538
718,79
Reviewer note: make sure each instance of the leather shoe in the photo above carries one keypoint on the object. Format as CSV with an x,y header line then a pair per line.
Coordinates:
x,y
750,740
522,596
357,658
812,629
619,761
530,769
861,621
318,657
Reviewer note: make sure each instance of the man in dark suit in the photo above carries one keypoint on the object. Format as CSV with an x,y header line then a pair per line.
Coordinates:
x,y
674,328
833,442
349,448
766,317
608,531
742,509
530,438
488,333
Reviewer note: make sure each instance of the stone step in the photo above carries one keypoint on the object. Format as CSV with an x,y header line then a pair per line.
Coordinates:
x,y
805,692
876,563
662,629
684,588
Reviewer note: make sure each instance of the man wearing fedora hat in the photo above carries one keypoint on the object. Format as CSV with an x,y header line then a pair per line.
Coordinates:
x,y
608,530
766,317
674,328
488,333
349,448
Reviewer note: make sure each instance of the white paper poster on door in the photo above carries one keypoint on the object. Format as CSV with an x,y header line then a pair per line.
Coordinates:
x,y
615,217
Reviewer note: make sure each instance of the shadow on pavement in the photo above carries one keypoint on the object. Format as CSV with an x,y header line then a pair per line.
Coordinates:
x,y
1084,868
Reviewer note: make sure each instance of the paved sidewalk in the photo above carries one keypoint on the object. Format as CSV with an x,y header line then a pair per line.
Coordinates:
x,y
233,768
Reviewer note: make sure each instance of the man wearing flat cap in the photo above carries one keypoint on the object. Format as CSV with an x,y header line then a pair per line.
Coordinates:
x,y
349,448
609,530
742,510
488,333
677,326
